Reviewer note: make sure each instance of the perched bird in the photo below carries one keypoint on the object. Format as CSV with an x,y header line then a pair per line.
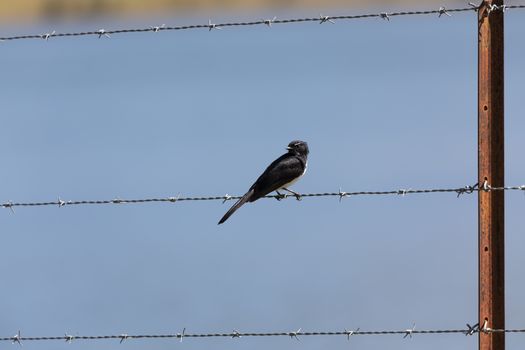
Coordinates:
x,y
282,173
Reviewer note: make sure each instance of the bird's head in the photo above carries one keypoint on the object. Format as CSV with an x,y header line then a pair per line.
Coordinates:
x,y
298,147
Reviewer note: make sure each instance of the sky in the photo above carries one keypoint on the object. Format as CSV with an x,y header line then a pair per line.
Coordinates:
x,y
383,105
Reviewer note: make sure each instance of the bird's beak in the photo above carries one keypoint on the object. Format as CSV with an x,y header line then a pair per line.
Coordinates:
x,y
289,148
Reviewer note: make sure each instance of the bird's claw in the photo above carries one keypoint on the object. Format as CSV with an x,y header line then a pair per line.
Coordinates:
x,y
295,194
279,196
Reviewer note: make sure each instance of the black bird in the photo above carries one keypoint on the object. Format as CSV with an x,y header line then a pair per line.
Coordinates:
x,y
283,172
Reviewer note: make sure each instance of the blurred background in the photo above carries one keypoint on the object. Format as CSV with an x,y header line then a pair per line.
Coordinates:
x,y
31,10
384,105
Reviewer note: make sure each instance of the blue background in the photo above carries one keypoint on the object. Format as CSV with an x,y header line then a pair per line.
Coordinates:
x,y
383,106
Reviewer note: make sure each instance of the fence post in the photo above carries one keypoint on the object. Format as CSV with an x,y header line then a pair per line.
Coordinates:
x,y
491,172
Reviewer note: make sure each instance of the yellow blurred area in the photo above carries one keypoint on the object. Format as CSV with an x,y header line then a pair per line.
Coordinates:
x,y
34,10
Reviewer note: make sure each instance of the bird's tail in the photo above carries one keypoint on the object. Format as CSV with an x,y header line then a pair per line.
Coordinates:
x,y
236,206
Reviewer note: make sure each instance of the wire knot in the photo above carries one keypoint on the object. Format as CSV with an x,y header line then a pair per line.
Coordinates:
x,y
384,15
236,334
466,189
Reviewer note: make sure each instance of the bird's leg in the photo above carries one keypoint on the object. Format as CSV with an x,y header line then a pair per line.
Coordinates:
x,y
297,195
279,195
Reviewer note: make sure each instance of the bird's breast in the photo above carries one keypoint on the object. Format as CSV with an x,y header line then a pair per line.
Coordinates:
x,y
296,179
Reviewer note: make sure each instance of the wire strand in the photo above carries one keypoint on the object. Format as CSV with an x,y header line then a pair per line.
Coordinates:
x,y
470,330
340,194
268,22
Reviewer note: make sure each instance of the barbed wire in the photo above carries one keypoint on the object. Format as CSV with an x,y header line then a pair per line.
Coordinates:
x,y
340,194
268,22
470,330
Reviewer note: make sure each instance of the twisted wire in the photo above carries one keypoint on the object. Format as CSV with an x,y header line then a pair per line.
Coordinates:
x,y
268,22
458,190
470,330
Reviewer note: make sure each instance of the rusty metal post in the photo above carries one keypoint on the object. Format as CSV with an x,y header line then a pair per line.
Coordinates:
x,y
491,170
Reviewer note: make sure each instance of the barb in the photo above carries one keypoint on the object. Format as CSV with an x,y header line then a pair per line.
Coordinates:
x,y
69,338
473,6
339,194
124,337
410,331
209,26
470,330
9,205
156,29
269,22
443,11
350,333
17,338
294,335
46,36
103,32
324,19
181,335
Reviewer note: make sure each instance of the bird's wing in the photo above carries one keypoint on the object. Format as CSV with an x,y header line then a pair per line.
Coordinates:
x,y
282,171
